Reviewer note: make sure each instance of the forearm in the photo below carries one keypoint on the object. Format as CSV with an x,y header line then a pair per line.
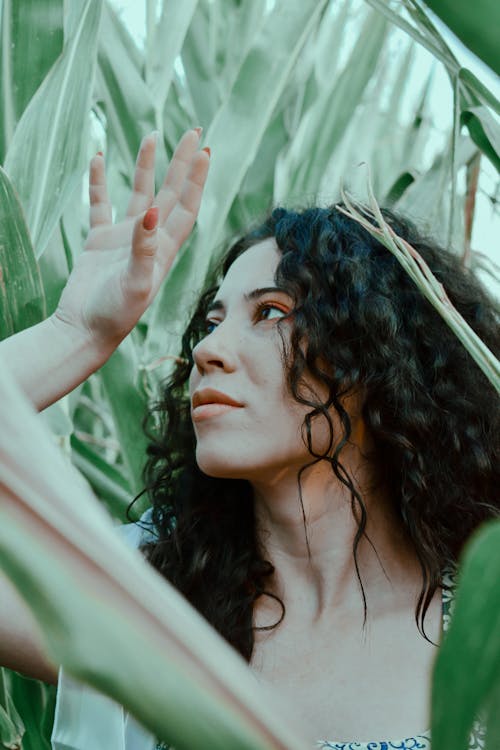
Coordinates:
x,y
48,361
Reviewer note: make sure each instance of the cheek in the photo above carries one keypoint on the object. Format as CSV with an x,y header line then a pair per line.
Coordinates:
x,y
194,381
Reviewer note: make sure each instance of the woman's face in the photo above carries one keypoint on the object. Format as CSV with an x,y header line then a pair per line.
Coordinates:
x,y
240,357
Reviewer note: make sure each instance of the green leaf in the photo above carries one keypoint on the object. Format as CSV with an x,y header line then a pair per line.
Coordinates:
x,y
326,121
426,199
199,63
164,47
427,37
22,299
423,31
484,131
11,724
120,378
120,88
35,702
106,480
493,720
257,188
467,670
398,188
173,671
47,156
10,734
31,39
479,90
476,24
245,114
54,268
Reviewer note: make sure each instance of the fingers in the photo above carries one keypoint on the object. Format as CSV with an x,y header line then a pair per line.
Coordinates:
x,y
183,215
144,177
178,170
139,276
100,207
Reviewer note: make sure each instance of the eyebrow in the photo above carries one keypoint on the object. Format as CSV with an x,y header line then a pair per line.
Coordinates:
x,y
218,304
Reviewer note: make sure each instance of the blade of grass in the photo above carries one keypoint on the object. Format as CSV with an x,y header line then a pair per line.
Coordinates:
x,y
22,298
168,666
46,158
476,24
120,378
127,101
106,480
163,49
484,132
327,120
245,114
31,40
467,669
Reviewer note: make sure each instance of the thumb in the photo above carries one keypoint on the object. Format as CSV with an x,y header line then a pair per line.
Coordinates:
x,y
144,248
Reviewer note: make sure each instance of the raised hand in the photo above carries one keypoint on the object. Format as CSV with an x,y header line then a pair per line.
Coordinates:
x,y
123,265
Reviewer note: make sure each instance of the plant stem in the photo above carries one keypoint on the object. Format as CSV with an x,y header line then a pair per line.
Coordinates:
x,y
3,691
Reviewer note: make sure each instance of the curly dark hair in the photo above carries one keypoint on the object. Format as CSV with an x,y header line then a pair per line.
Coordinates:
x,y
433,415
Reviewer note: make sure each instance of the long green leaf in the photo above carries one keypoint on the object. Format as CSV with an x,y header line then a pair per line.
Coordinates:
x,y
22,299
120,378
398,187
168,666
467,670
245,115
106,480
200,65
127,101
476,24
11,727
165,47
35,701
472,91
31,39
483,94
256,190
433,43
484,131
426,199
47,156
327,120
54,266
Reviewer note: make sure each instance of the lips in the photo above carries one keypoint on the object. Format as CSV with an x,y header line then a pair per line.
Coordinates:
x,y
211,396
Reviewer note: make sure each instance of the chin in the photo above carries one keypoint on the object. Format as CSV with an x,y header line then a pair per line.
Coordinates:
x,y
221,467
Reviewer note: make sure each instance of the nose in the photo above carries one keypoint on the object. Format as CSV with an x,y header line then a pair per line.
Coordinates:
x,y
214,352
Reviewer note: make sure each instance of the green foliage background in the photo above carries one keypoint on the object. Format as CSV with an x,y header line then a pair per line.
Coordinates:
x,y
291,96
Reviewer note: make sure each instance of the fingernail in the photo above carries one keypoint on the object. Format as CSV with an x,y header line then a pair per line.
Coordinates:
x,y
206,149
199,131
150,219
99,153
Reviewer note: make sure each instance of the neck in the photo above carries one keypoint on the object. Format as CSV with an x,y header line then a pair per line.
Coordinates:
x,y
315,586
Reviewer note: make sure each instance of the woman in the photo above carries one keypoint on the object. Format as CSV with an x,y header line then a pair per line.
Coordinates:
x,y
323,454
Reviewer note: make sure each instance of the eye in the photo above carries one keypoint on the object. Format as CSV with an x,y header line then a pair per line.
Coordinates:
x,y
206,326
262,306
259,310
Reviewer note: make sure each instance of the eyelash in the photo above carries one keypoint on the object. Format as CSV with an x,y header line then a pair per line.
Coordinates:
x,y
258,309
